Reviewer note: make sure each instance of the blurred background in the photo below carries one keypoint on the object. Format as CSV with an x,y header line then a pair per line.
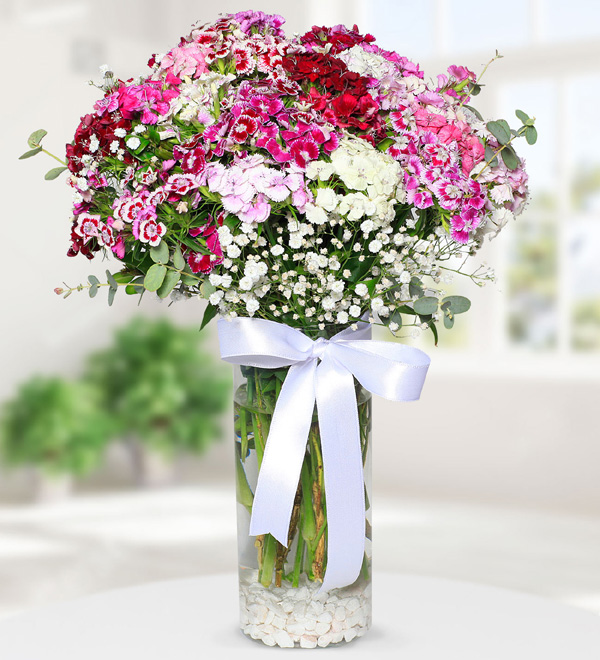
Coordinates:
x,y
493,477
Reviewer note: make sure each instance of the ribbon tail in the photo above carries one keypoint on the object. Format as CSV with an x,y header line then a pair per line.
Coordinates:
x,y
343,473
284,453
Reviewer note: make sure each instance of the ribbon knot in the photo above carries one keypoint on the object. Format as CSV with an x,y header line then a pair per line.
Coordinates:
x,y
321,371
319,347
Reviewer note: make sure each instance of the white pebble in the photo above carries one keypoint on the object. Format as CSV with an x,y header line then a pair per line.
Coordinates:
x,y
321,628
325,617
324,640
278,622
317,607
340,613
308,642
352,605
350,634
268,640
287,606
282,639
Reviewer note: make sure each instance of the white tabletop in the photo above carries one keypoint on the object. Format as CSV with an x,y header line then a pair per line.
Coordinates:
x,y
414,618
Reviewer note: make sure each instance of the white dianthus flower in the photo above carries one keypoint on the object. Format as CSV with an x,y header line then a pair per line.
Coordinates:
x,y
276,250
133,142
375,246
354,311
326,199
361,290
342,317
315,214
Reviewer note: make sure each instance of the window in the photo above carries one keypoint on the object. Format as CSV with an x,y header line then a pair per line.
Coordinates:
x,y
547,300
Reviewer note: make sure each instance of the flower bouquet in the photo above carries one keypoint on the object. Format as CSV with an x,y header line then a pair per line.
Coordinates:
x,y
307,187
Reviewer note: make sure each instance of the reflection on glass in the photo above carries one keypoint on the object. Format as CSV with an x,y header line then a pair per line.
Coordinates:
x,y
584,253
532,285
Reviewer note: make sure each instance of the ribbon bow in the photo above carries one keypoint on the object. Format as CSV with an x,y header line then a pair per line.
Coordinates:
x,y
320,370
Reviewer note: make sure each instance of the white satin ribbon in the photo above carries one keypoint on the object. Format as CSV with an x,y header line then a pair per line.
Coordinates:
x,y
321,370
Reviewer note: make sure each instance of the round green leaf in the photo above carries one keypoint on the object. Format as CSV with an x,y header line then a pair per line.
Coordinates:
x,y
154,277
178,260
111,295
93,290
169,283
510,158
426,305
524,117
92,279
457,304
448,321
499,131
531,135
36,137
160,253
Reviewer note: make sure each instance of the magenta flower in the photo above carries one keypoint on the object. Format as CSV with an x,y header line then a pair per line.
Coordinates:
x,y
303,151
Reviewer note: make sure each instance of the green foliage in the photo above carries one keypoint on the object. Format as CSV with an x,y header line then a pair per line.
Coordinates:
x,y
154,277
56,425
54,173
160,386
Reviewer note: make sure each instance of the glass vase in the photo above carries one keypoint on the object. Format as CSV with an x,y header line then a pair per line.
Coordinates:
x,y
279,603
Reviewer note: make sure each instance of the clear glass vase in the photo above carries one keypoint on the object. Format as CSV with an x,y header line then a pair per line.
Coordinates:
x,y
279,603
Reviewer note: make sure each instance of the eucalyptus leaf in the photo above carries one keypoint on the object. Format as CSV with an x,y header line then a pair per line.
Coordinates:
x,y
169,283
92,279
54,173
111,296
491,157
426,305
531,135
474,111
93,290
160,253
415,288
457,304
448,321
29,154
207,289
111,280
154,277
178,260
36,137
499,131
523,116
189,280
132,289
510,158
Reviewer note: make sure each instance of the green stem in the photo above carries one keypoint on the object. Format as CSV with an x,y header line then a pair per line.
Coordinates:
x,y
268,560
298,561
243,434
62,162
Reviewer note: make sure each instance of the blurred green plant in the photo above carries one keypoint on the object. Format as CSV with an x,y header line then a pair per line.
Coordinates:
x,y
54,425
160,387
